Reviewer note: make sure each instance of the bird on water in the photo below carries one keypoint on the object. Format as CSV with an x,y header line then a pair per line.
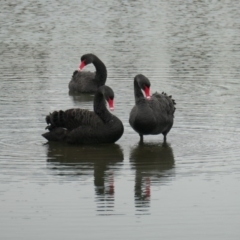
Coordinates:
x,y
85,81
151,115
82,126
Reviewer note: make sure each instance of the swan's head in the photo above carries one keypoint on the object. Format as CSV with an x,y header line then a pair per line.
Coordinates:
x,y
108,95
85,60
144,84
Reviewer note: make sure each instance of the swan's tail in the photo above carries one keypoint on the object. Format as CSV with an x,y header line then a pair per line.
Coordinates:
x,y
56,119
56,122
56,135
56,126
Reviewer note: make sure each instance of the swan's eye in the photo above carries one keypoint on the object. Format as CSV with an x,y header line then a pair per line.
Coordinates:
x,y
111,98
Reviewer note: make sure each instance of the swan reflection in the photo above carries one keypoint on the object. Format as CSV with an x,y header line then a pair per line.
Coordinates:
x,y
154,165
80,97
81,162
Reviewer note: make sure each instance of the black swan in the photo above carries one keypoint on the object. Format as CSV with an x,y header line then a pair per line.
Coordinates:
x,y
88,82
151,115
86,127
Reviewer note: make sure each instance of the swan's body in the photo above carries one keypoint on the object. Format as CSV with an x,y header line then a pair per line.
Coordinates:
x,y
151,116
83,126
88,82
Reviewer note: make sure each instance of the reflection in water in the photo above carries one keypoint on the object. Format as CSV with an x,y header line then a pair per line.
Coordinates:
x,y
153,163
80,161
81,97
187,48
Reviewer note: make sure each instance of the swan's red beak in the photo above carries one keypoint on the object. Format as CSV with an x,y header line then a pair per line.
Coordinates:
x,y
147,92
81,65
110,104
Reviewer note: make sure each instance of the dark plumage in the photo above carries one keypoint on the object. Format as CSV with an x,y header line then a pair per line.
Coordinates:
x,y
152,115
88,82
84,126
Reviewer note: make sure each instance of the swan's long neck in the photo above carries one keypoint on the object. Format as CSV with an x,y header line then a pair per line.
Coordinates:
x,y
101,71
99,105
137,91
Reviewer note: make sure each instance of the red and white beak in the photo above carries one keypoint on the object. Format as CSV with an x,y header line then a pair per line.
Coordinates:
x,y
81,65
110,104
147,92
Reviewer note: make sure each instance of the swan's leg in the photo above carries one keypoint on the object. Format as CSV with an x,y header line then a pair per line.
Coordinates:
x,y
141,138
165,138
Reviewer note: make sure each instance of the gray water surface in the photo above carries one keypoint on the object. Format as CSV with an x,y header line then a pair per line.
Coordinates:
x,y
188,189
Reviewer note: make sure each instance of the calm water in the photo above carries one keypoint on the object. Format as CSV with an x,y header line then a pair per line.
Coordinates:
x,y
186,190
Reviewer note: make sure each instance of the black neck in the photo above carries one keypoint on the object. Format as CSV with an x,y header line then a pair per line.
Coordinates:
x,y
99,105
101,71
137,91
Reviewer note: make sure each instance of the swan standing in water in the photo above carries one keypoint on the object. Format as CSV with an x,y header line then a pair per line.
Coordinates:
x,y
151,115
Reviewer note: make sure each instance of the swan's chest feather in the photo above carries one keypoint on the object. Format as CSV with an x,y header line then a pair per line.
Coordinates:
x,y
142,119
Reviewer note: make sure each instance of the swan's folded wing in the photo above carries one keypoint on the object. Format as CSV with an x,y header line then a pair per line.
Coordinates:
x,y
165,102
79,76
81,117
83,82
72,118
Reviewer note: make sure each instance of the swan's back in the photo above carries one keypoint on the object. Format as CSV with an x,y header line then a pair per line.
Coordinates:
x,y
84,82
72,119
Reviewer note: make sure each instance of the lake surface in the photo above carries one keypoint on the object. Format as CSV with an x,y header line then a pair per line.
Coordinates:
x,y
188,189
